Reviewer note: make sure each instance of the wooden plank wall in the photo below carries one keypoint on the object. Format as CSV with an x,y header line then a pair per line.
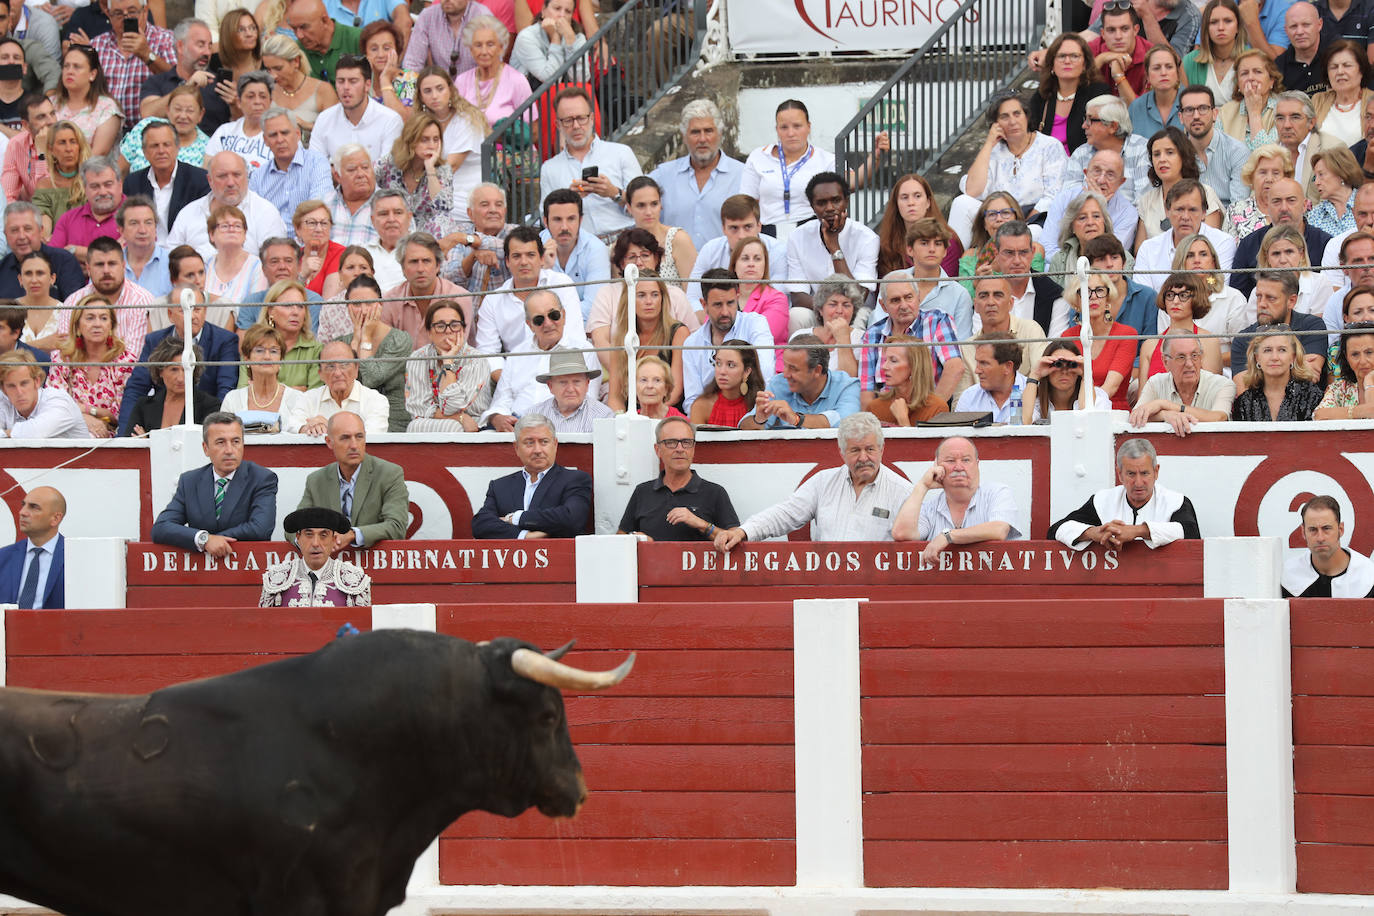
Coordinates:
x,y
1333,738
689,762
1044,743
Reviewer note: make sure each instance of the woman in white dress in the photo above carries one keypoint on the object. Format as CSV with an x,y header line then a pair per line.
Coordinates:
x,y
776,175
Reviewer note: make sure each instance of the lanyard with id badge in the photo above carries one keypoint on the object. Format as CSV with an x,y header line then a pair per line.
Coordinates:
x,y
787,176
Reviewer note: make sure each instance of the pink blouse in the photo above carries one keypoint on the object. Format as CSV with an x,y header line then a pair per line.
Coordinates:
x,y
773,306
512,89
1060,132
106,391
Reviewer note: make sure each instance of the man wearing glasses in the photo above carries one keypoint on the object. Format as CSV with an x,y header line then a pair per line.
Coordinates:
x,y
1107,126
678,505
519,388
596,169
1220,155
1186,394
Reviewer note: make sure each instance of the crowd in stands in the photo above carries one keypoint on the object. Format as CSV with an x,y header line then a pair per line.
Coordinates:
x,y
310,175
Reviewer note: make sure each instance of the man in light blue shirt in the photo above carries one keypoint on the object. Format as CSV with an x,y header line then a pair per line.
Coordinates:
x,y
137,219
580,254
598,170
724,321
739,220
359,13
1263,25
994,363
695,186
806,394
294,174
1220,155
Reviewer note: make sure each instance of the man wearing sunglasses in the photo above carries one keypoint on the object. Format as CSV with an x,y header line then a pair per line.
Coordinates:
x,y
1186,394
504,317
677,505
518,388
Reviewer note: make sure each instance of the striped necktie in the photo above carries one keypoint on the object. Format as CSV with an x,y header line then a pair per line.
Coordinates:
x,y
220,485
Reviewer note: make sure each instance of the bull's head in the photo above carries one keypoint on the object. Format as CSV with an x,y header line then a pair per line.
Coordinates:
x,y
549,773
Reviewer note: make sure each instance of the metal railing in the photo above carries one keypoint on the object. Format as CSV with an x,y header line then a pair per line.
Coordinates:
x,y
637,56
937,94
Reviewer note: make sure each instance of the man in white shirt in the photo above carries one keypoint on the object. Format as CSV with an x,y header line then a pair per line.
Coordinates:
x,y
519,388
1157,516
739,220
832,243
854,502
1186,394
31,411
1186,204
228,186
995,364
1325,569
341,391
245,136
357,118
596,169
501,320
725,320
951,505
391,219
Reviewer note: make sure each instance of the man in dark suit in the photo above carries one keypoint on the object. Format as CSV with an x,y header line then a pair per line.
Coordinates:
x,y
542,499
24,234
1287,207
186,182
217,344
32,568
370,491
225,501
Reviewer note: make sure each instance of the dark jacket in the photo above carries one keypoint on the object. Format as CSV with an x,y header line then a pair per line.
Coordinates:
x,y
248,512
1040,111
189,183
560,507
216,344
12,573
68,276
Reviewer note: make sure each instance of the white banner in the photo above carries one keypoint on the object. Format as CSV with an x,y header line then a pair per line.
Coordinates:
x,y
794,26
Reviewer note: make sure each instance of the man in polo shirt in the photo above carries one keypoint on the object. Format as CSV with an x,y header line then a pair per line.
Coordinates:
x,y
583,152
678,505
357,118
1276,295
577,252
76,228
1119,52
905,313
832,243
696,185
1300,62
1186,394
1287,206
952,505
294,174
322,39
806,394
1262,25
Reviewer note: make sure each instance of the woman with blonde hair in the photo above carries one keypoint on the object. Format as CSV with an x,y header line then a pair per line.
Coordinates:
x,y
908,394
1284,248
97,389
657,330
1279,384
296,90
61,190
464,128
416,167
284,308
1266,165
1249,116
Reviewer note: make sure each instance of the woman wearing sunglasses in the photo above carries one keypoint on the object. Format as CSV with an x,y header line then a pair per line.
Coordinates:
x,y
1056,383
446,380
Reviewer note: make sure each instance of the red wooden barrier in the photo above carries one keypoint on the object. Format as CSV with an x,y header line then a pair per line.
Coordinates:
x,y
1044,743
689,761
1333,737
402,572
885,570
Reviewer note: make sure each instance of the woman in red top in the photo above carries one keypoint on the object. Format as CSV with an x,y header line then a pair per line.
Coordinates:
x,y
731,392
1114,348
314,224
1183,298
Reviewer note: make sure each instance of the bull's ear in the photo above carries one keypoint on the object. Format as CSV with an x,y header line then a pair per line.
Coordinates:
x,y
561,651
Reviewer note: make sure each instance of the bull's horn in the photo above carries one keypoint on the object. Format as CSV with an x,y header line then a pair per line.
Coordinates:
x,y
561,651
544,670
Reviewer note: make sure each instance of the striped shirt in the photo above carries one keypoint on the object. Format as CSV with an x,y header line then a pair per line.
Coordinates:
x,y
351,228
306,177
827,500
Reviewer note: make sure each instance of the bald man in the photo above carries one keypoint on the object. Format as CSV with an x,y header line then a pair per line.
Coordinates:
x,y
32,568
322,39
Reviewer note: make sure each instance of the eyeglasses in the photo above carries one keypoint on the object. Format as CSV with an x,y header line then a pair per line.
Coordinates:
x,y
316,223
334,367
575,120
1191,110
1179,295
1072,55
1098,292
551,315
673,445
445,327
1187,358
1116,6
231,224
1089,119
264,351
1003,213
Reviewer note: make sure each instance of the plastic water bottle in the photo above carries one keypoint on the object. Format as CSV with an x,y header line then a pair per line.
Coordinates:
x,y
1014,417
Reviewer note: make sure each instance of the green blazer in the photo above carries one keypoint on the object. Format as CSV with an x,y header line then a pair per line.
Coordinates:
x,y
381,502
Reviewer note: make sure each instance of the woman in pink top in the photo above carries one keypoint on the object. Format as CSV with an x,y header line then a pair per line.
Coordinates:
x,y
749,261
494,86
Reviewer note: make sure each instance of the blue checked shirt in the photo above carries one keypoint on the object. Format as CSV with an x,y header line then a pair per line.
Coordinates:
x,y
306,177
350,228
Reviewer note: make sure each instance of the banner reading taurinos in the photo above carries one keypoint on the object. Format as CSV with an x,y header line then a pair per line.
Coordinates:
x,y
784,26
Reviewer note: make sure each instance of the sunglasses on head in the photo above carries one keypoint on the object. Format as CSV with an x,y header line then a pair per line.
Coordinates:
x,y
551,315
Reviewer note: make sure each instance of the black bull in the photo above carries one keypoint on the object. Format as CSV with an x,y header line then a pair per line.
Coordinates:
x,y
305,787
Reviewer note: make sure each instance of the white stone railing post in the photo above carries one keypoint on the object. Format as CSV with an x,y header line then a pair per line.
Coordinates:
x,y
607,568
96,575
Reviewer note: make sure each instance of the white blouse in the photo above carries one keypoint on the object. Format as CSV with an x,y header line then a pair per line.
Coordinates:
x,y
1033,178
763,180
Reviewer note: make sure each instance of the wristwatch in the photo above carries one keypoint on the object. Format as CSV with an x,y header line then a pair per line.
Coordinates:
x,y
837,255
948,536
202,538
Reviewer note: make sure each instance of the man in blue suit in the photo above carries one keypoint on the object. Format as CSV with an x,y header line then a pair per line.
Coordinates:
x,y
543,499
228,500
32,569
215,342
